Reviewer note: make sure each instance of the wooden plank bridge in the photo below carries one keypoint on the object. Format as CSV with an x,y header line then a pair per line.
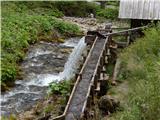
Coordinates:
x,y
91,78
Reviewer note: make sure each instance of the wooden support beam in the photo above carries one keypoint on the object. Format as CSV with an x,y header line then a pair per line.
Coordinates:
x,y
95,80
80,77
92,94
123,31
76,75
89,101
128,40
108,52
98,87
116,71
105,77
99,71
122,44
101,61
84,58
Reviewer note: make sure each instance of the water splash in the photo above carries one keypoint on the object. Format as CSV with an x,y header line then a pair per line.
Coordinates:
x,y
72,63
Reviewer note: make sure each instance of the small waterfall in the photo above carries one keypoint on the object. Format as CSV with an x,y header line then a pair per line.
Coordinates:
x,y
71,64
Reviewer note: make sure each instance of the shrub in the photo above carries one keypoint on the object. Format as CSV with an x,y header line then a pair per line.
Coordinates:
x,y
108,13
62,87
76,8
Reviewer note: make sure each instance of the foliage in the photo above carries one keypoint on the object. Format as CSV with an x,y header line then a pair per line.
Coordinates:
x,y
31,8
11,117
21,25
108,13
49,108
110,69
114,3
76,8
62,87
141,67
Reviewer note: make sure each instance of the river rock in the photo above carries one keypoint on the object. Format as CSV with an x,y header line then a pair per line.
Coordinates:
x,y
107,104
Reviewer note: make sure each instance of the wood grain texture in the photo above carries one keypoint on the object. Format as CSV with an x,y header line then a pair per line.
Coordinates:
x,y
140,9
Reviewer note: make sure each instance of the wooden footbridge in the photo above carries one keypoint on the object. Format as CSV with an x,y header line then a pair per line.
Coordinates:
x,y
92,78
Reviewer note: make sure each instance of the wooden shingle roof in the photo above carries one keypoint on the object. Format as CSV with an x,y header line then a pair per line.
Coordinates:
x,y
140,9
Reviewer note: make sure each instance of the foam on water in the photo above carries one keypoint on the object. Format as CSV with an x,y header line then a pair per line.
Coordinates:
x,y
38,52
44,79
72,42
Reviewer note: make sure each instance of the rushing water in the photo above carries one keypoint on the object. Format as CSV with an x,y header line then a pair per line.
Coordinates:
x,y
45,63
71,65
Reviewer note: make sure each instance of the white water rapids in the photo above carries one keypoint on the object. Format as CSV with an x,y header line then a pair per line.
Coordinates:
x,y
27,92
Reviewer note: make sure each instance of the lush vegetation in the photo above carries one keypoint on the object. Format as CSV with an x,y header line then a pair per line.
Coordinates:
x,y
141,67
108,13
61,88
21,26
77,8
83,9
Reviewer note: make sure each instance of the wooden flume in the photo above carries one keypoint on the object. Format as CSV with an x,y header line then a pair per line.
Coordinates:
x,y
92,78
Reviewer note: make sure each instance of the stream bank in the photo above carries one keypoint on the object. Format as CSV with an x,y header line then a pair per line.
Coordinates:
x,y
42,65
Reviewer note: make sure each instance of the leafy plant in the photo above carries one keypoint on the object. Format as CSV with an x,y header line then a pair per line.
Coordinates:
x,y
62,87
108,13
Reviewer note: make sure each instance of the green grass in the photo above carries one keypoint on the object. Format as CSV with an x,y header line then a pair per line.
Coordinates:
x,y
61,88
141,67
22,23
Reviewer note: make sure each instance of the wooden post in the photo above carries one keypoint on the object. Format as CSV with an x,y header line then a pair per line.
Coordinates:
x,y
99,71
95,81
101,62
128,39
84,58
92,93
116,71
76,76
